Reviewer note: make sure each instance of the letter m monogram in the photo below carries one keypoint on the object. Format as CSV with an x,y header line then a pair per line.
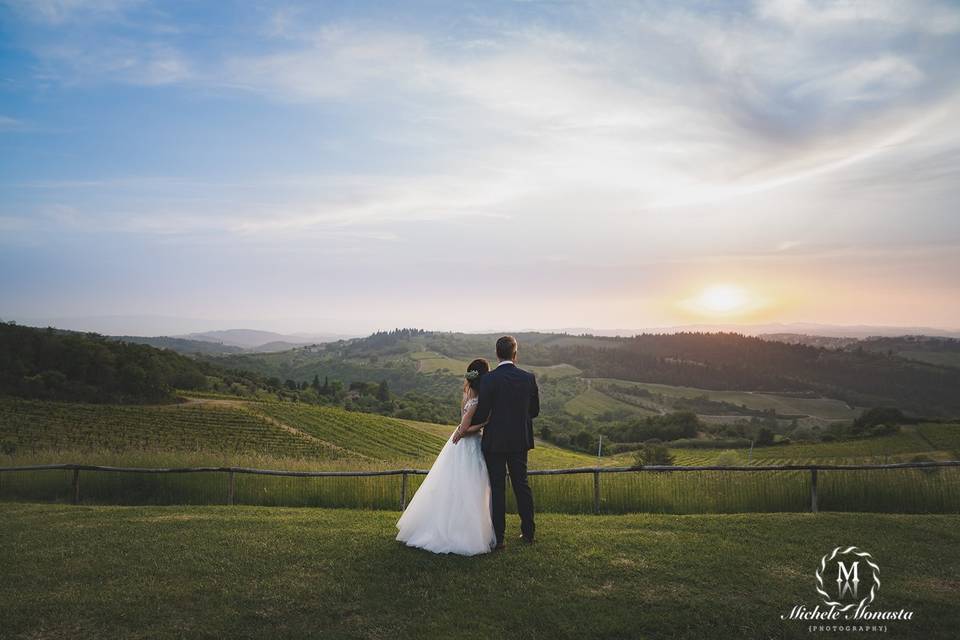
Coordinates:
x,y
847,579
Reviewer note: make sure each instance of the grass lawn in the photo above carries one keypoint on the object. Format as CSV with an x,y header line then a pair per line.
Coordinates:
x,y
238,572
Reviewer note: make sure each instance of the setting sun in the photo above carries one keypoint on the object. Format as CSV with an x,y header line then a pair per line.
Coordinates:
x,y
723,300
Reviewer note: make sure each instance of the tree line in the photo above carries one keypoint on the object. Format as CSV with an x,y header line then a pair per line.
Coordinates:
x,y
730,361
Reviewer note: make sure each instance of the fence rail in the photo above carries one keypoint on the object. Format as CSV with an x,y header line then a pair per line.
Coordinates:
x,y
813,470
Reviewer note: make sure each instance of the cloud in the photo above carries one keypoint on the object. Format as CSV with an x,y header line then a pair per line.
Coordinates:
x,y
901,15
122,60
335,64
58,12
879,79
621,144
632,112
10,124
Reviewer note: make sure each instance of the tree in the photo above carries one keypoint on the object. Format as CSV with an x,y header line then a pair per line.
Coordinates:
x,y
877,416
764,436
316,382
583,440
653,454
383,392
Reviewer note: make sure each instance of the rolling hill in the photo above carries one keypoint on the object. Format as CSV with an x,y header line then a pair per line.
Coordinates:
x,y
418,360
279,432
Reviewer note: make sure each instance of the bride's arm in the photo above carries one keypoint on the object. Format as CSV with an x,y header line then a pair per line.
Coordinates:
x,y
473,428
464,427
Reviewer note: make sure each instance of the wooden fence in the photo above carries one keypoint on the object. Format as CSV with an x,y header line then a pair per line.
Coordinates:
x,y
405,473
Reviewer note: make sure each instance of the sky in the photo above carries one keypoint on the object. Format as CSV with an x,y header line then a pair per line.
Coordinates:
x,y
346,167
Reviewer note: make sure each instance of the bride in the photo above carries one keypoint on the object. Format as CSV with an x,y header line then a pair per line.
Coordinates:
x,y
450,512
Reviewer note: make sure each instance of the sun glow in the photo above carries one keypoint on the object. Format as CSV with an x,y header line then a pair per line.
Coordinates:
x,y
723,300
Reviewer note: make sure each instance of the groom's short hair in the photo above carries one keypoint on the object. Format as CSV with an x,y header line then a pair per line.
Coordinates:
x,y
507,348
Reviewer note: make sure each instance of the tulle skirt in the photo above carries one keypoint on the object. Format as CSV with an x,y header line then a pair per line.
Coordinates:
x,y
450,513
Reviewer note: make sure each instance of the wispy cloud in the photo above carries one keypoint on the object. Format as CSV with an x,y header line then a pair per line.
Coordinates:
x,y
601,135
58,12
11,124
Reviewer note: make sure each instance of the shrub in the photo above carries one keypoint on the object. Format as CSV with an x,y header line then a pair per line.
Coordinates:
x,y
884,429
653,454
764,436
878,416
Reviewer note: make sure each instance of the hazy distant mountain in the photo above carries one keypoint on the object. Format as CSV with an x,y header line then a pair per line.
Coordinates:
x,y
116,325
281,345
256,339
794,328
181,345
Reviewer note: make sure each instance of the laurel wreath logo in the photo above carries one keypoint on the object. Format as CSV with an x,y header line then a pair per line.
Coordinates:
x,y
839,551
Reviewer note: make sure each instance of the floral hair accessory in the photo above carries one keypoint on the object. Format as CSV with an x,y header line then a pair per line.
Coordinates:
x,y
471,375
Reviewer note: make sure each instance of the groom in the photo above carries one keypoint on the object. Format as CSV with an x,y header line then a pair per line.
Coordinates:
x,y
509,401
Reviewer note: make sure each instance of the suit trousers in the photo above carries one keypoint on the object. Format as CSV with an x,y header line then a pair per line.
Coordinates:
x,y
497,465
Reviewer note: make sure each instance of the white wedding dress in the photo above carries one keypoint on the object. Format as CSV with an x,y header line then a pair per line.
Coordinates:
x,y
450,513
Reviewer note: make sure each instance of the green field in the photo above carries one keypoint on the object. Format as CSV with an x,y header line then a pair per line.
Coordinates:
x,y
372,436
823,408
307,437
227,427
431,361
249,572
942,358
937,441
591,403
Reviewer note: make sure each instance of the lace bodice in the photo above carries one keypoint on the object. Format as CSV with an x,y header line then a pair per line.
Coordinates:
x,y
472,402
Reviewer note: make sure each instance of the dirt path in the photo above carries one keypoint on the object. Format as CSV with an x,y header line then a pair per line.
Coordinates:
x,y
217,402
250,406
303,434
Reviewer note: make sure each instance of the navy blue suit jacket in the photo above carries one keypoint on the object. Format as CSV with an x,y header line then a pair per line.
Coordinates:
x,y
509,400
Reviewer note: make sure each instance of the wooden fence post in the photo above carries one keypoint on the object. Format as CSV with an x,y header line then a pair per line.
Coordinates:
x,y
813,490
596,492
76,486
231,489
403,491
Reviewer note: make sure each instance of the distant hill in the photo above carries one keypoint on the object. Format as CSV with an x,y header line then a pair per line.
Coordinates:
x,y
243,338
827,342
278,345
256,340
930,349
714,361
729,361
63,365
181,345
796,328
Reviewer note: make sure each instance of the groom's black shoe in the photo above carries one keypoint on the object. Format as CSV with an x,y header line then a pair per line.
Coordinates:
x,y
500,547
527,539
